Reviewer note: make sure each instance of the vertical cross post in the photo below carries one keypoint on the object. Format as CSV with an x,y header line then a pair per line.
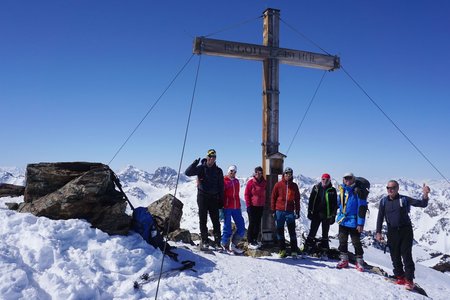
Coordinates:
x,y
270,99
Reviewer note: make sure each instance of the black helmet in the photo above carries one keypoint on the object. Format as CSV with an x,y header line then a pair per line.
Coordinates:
x,y
288,170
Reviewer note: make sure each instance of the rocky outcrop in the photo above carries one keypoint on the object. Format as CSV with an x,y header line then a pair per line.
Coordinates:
x,y
76,191
168,211
11,190
443,265
45,178
181,235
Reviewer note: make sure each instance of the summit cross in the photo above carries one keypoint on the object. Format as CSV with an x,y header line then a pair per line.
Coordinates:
x,y
271,55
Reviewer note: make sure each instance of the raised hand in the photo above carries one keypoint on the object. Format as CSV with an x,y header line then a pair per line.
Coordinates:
x,y
425,190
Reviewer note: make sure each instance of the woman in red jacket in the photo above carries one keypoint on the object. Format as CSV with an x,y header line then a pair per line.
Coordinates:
x,y
286,206
255,199
232,209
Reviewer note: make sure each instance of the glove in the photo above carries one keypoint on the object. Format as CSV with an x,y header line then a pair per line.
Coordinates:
x,y
297,214
331,220
220,202
249,209
195,163
274,215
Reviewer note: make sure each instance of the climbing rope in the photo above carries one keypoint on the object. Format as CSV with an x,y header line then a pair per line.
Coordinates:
x,y
306,112
151,108
178,175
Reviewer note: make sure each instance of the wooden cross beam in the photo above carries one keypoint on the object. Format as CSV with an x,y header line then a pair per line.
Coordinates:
x,y
271,55
299,58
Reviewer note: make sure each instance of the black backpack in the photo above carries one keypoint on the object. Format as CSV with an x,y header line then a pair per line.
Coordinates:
x,y
362,187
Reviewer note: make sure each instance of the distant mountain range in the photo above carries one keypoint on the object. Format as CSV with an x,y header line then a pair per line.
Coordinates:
x,y
12,176
431,225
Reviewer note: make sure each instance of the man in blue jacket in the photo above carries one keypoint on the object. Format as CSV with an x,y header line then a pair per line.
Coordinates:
x,y
395,209
351,218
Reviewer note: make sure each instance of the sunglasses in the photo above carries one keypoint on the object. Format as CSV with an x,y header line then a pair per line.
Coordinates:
x,y
290,174
391,187
348,178
232,171
325,179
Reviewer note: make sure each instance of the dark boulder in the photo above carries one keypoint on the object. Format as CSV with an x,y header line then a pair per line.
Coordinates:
x,y
45,178
168,211
12,205
81,192
11,190
181,235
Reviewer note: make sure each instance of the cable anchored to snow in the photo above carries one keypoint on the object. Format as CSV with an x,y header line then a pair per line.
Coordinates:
x,y
305,37
150,109
395,125
179,171
306,112
373,102
233,26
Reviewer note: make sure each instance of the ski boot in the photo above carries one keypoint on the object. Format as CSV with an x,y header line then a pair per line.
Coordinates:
x,y
343,263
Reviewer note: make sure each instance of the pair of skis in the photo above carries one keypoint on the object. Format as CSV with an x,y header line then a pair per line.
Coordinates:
x,y
379,271
146,277
212,250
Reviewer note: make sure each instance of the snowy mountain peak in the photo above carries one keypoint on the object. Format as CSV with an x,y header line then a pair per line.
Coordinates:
x,y
162,177
167,176
12,176
408,185
132,174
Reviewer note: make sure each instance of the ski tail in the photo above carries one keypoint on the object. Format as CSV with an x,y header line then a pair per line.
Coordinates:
x,y
145,278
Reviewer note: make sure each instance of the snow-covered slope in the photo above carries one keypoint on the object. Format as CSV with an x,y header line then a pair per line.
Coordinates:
x,y
47,259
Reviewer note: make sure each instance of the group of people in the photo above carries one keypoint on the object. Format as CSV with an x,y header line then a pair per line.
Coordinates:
x,y
218,192
346,206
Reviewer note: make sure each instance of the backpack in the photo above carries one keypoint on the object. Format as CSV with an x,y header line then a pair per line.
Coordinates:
x,y
362,187
144,223
404,204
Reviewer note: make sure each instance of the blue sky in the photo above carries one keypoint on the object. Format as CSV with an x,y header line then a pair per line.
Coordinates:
x,y
76,77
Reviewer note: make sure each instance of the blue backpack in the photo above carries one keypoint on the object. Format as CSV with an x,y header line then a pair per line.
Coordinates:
x,y
144,224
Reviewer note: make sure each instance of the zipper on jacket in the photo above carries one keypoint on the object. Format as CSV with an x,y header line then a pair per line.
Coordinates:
x,y
234,191
287,192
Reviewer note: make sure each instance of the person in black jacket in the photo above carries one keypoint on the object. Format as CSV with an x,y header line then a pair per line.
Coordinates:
x,y
322,207
209,195
395,209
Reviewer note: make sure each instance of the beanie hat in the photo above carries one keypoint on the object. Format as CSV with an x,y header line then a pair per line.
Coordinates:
x,y
326,175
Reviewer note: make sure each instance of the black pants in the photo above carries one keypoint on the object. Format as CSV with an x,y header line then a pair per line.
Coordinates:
x,y
400,241
355,236
208,203
315,223
254,223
